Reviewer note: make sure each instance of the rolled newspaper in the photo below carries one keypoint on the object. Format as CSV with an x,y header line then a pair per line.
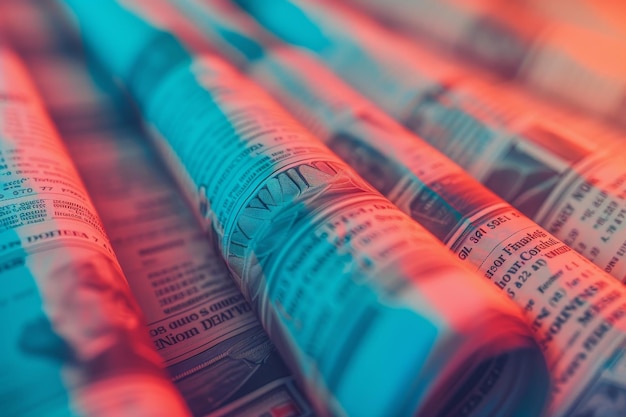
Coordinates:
x,y
570,63
365,305
74,340
572,186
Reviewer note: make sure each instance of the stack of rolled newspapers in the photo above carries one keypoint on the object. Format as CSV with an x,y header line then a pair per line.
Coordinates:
x,y
305,207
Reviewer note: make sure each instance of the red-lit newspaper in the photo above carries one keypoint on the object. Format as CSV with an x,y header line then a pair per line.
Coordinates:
x,y
74,339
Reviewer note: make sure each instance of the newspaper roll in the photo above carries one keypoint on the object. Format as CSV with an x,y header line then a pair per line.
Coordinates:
x,y
570,186
572,64
361,301
74,340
